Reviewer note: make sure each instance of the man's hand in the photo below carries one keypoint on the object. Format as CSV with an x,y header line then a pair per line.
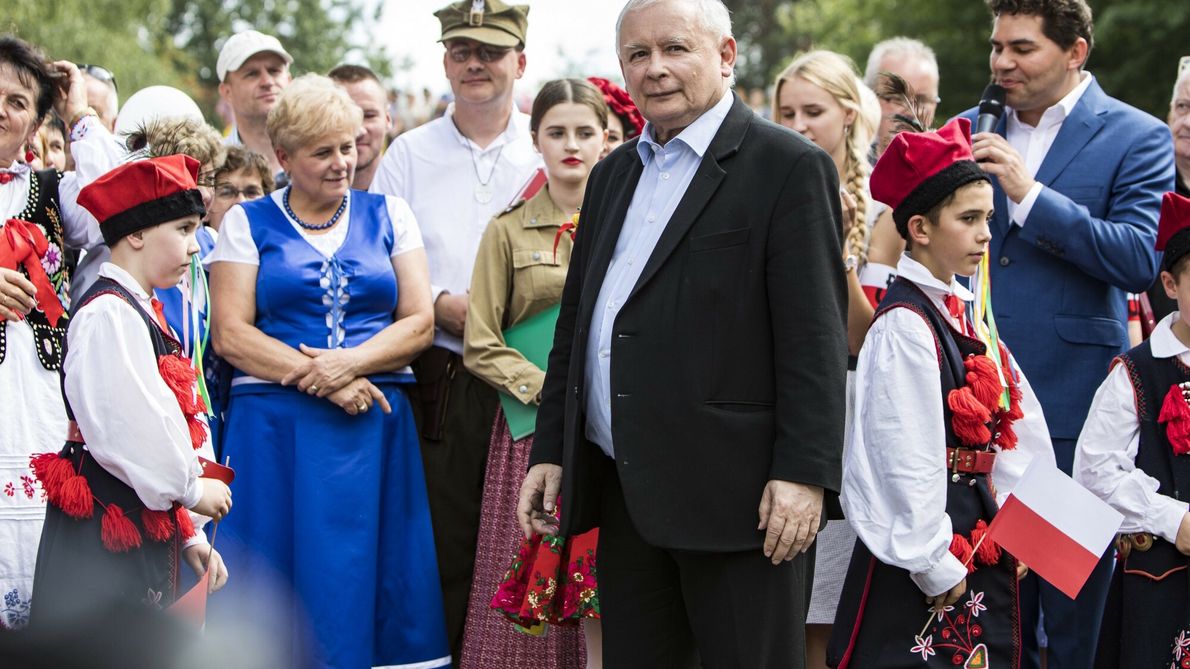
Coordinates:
x,y
17,295
1183,537
997,157
201,557
450,313
947,598
790,512
1022,570
72,91
535,505
215,501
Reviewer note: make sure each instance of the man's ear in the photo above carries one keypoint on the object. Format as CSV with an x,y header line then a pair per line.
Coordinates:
x,y
919,230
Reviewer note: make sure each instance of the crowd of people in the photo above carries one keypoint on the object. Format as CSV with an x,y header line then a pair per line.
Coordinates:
x,y
652,376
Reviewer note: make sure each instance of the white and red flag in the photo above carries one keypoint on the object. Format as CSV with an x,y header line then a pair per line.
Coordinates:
x,y
1056,526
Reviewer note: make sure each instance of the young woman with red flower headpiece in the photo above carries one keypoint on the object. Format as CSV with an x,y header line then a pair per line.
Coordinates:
x,y
38,221
927,470
519,273
624,120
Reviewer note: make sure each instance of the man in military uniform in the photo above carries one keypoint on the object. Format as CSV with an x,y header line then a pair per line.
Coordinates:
x,y
456,173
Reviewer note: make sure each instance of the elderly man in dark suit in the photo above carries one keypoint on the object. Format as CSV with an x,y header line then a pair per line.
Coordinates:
x,y
693,406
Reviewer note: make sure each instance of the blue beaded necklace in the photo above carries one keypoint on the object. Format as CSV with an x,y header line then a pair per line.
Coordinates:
x,y
321,226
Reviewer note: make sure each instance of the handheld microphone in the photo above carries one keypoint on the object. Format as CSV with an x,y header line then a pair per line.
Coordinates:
x,y
991,108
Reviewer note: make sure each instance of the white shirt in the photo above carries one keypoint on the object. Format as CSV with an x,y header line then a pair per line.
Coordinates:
x,y
1033,143
1105,458
436,170
894,475
129,417
235,243
667,173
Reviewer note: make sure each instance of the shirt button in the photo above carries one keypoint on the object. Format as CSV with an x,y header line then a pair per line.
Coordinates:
x,y
603,354
665,176
523,389
1004,261
536,255
651,218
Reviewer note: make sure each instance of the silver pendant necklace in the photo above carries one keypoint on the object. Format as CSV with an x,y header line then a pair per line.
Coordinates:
x,y
483,190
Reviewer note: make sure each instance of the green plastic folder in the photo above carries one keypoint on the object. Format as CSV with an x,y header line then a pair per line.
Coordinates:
x,y
533,337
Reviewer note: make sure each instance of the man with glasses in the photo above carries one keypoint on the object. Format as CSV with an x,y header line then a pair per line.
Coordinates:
x,y
103,93
912,61
456,173
252,69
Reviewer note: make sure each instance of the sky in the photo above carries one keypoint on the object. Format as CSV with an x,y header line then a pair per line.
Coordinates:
x,y
566,38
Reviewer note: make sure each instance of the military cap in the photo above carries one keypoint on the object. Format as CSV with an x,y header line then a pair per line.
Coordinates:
x,y
485,21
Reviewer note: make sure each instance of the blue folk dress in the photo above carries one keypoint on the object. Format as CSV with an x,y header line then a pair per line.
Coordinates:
x,y
331,506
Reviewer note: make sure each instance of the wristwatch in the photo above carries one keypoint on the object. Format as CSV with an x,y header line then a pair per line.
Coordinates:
x,y
850,262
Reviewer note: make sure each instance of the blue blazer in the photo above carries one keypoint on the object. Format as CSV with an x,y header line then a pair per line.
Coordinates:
x,y
1059,282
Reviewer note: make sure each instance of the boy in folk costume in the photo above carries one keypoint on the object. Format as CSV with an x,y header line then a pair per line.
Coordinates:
x,y
927,469
1132,454
125,493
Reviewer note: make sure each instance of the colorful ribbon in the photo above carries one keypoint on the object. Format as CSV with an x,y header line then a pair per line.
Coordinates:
x,y
984,322
23,244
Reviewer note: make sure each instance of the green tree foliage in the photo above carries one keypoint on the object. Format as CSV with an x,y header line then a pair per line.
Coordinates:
x,y
1137,42
176,42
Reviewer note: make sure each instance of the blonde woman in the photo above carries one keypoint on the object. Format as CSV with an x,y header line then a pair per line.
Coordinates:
x,y
321,296
819,96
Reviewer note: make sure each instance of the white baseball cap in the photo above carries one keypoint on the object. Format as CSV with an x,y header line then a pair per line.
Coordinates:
x,y
242,46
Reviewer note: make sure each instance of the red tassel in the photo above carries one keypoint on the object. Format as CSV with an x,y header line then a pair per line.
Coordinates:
x,y
52,470
988,552
984,380
961,549
185,523
970,417
180,377
198,431
158,524
1008,438
117,531
1176,415
75,500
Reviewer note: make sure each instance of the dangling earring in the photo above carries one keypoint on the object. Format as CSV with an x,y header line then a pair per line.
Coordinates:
x,y
29,156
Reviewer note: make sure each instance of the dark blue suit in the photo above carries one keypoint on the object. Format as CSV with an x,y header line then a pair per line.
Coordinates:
x,y
1058,288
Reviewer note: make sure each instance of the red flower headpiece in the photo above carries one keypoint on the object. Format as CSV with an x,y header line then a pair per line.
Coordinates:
x,y
620,104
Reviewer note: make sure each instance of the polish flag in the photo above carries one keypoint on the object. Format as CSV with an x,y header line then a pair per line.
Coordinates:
x,y
1055,526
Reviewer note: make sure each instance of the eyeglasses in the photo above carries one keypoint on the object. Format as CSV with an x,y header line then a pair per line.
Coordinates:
x,y
101,73
487,54
229,192
206,179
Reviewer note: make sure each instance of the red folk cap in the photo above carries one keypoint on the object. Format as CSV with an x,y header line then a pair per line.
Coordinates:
x,y
920,169
142,194
1172,235
621,104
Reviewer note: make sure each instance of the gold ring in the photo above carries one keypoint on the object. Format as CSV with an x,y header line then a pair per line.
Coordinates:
x,y
361,407
313,388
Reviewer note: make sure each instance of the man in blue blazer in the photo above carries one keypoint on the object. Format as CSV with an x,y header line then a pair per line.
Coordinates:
x,y
1078,180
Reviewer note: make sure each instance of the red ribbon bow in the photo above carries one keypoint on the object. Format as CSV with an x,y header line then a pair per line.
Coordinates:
x,y
5,177
23,244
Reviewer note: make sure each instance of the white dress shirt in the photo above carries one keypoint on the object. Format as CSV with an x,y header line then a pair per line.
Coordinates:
x,y
1033,143
667,173
128,415
436,170
1105,458
894,474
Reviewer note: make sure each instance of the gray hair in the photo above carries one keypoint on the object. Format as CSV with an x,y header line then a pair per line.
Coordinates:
x,y
897,46
712,16
1183,75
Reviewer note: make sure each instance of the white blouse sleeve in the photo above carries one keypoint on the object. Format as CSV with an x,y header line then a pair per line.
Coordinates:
x,y
894,477
1033,441
235,243
1105,462
129,417
406,233
95,152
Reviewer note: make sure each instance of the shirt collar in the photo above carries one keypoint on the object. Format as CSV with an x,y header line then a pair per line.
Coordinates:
x,y
1059,112
121,276
916,272
697,136
511,132
1164,342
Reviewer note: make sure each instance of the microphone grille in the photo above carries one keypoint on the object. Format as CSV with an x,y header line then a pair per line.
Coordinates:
x,y
992,101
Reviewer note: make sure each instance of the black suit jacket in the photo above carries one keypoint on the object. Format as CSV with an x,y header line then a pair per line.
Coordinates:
x,y
729,357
